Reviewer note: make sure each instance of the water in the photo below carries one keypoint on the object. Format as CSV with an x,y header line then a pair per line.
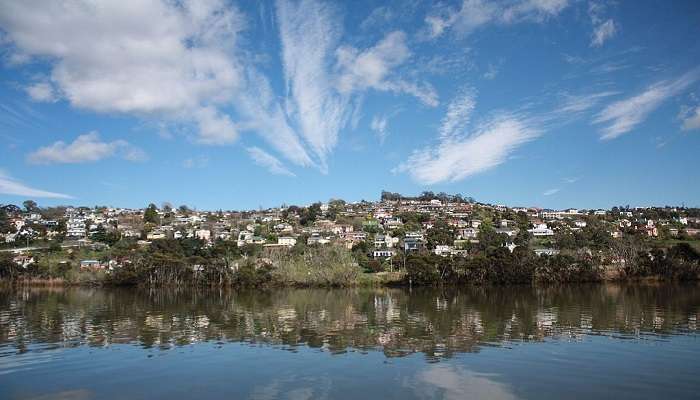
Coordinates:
x,y
601,341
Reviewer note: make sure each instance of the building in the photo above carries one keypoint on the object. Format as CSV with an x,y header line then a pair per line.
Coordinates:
x,y
383,253
541,230
286,241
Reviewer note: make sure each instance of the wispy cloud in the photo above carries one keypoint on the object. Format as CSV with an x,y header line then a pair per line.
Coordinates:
x,y
624,115
603,29
691,119
42,91
459,112
85,148
322,76
370,69
261,112
380,122
473,14
460,156
267,160
309,38
11,186
603,32
195,162
551,192
378,125
575,104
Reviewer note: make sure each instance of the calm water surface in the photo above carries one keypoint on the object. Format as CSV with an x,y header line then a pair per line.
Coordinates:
x,y
501,343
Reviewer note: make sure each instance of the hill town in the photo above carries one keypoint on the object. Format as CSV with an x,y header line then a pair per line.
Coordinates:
x,y
431,238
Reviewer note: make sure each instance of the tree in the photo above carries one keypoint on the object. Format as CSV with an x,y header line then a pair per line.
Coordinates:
x,y
151,214
440,233
4,221
30,205
488,238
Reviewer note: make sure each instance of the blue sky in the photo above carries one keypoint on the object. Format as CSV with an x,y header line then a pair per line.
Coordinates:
x,y
233,105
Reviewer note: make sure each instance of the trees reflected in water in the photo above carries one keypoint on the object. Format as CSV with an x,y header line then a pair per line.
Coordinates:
x,y
436,322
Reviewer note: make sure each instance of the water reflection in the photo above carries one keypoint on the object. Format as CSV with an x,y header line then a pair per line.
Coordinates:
x,y
436,322
454,382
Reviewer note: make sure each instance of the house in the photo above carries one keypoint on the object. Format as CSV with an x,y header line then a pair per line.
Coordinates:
x,y
412,244
203,234
244,237
91,264
10,237
550,214
467,233
156,234
383,253
443,250
541,230
286,241
382,241
650,231
317,239
625,223
546,252
23,260
510,232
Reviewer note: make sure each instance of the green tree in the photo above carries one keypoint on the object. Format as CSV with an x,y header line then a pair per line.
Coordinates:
x,y
30,205
151,214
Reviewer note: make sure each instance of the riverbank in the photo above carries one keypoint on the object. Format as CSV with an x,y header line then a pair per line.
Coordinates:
x,y
177,263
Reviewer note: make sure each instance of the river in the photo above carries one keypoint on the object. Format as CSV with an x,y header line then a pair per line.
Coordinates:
x,y
521,342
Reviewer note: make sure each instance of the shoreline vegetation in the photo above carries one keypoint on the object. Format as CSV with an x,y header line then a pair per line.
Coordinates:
x,y
427,240
170,264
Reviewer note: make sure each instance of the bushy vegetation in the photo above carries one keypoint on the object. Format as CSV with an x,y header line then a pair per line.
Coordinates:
x,y
192,261
500,266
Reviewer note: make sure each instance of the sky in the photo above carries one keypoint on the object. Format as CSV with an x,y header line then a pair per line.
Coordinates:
x,y
240,105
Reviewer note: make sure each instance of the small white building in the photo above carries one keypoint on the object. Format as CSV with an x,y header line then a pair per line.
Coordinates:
x,y
286,241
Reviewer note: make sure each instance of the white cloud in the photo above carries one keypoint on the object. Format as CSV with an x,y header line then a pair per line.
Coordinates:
x,y
262,113
691,119
603,32
42,91
491,72
321,76
378,125
454,383
473,14
603,29
149,58
309,35
459,112
551,192
371,68
624,115
214,127
460,156
11,186
267,160
575,104
85,148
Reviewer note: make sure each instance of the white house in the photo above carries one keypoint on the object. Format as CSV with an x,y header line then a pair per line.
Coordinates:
x,y
383,253
541,230
286,241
